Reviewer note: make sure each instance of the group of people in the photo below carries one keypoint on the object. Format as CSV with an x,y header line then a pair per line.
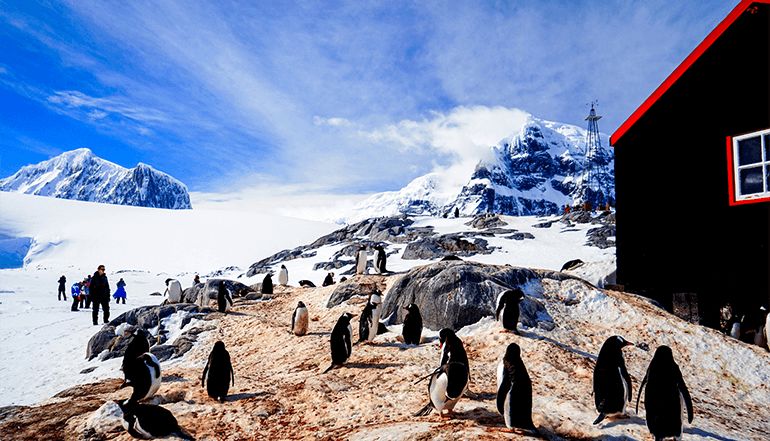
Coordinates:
x,y
93,292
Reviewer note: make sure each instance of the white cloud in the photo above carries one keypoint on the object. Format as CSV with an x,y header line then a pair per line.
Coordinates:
x,y
333,122
99,108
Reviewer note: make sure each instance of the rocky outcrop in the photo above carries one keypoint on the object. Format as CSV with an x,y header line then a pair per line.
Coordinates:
x,y
453,294
356,286
210,289
431,248
482,221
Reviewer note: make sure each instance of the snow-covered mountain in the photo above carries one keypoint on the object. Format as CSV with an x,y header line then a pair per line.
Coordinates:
x,y
534,171
81,175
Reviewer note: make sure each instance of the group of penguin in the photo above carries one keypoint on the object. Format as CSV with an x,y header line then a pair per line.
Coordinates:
x,y
142,372
666,395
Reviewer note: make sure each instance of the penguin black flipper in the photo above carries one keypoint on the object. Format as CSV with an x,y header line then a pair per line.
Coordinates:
x,y
599,419
293,315
205,371
641,387
685,394
232,374
627,378
502,391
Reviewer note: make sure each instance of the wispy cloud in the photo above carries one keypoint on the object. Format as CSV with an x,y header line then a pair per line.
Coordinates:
x,y
99,108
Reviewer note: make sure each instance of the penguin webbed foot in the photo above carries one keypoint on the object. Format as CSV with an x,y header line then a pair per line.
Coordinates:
x,y
599,419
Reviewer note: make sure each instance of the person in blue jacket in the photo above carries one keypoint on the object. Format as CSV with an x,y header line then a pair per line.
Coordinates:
x,y
120,293
76,296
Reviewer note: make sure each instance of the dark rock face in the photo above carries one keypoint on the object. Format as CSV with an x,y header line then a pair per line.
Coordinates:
x,y
437,247
599,237
453,294
482,221
520,236
211,288
357,286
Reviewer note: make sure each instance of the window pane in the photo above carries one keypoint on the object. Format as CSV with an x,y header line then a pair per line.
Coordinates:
x,y
767,176
751,181
767,147
749,151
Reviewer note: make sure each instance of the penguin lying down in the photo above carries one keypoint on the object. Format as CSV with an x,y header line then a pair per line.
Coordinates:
x,y
147,421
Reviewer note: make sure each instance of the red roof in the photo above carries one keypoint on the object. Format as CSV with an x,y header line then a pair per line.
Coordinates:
x,y
679,71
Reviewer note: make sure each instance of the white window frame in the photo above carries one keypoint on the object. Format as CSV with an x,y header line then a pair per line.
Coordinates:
x,y
765,163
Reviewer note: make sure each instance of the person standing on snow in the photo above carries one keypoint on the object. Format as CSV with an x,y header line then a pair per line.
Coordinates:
x,y
76,296
85,290
62,288
120,293
99,291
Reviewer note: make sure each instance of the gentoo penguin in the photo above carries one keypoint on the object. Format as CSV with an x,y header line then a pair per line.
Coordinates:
x,y
361,260
283,276
412,330
138,345
370,318
380,260
735,328
666,396
612,384
267,284
224,301
767,330
447,384
306,283
328,280
299,319
760,338
143,375
514,390
341,341
218,372
508,309
146,421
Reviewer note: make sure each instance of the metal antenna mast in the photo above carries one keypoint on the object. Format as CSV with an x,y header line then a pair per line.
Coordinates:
x,y
595,168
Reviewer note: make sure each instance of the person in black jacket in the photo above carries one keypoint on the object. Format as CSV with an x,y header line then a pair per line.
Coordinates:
x,y
100,294
62,288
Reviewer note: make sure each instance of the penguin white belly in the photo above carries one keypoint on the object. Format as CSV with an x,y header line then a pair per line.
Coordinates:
x,y
140,430
375,323
507,410
438,387
502,314
682,413
500,368
735,332
626,391
348,349
300,321
767,331
154,378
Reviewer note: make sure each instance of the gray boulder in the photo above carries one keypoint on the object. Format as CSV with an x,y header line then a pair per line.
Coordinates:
x,y
211,288
431,248
356,286
453,294
483,221
103,339
520,236
600,236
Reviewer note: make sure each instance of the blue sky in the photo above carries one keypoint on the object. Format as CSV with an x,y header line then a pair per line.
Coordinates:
x,y
225,95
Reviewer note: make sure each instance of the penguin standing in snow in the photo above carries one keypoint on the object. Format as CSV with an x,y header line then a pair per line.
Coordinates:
x,y
283,276
412,329
666,396
508,309
449,382
514,390
612,384
146,421
341,341
267,284
224,301
143,375
299,319
369,321
218,372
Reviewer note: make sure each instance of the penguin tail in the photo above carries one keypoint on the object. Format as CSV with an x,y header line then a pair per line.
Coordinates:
x,y
181,433
425,411
599,418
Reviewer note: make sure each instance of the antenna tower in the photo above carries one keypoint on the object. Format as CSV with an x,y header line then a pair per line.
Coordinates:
x,y
595,188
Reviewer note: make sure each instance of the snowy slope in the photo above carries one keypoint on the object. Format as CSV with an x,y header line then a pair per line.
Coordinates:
x,y
80,175
535,171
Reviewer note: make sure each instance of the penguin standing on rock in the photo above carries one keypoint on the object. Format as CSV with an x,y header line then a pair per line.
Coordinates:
x,y
218,372
508,309
370,318
514,390
612,384
666,396
138,345
341,341
283,276
380,260
449,382
412,329
224,301
143,375
361,260
329,279
146,421
267,284
299,319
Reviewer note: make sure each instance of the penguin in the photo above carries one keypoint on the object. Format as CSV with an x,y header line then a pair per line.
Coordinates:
x,y
767,329
138,345
412,329
666,396
283,276
306,284
508,309
514,390
328,280
343,279
146,421
224,301
267,284
299,319
572,264
369,321
612,383
452,349
735,328
218,372
760,337
341,341
143,375
361,260
447,384
380,260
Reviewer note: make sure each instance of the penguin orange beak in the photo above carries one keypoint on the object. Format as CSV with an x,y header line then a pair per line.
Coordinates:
x,y
628,343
